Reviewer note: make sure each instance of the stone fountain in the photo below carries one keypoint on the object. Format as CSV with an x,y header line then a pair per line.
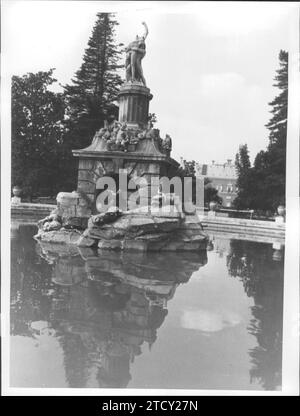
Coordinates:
x,y
133,146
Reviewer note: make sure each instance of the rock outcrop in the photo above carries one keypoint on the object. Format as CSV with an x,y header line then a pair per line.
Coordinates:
x,y
140,229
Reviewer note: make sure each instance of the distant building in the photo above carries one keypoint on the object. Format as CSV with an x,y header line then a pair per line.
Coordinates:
x,y
223,177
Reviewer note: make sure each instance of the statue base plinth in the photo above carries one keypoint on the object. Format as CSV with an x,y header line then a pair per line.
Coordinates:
x,y
134,100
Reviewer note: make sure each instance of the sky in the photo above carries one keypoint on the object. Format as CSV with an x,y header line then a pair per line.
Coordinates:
x,y
209,65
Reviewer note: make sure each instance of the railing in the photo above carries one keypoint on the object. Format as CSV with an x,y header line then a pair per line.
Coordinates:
x,y
235,212
44,200
243,228
241,213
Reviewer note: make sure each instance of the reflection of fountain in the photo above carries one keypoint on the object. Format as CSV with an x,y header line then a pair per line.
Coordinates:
x,y
106,305
262,277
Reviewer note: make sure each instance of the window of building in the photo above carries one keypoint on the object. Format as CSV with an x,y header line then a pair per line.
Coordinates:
x,y
229,188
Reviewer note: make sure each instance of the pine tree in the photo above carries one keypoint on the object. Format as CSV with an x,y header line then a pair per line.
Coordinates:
x,y
278,123
90,99
270,165
95,85
275,157
262,187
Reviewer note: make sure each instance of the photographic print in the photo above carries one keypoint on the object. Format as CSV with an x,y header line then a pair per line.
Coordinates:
x,y
151,197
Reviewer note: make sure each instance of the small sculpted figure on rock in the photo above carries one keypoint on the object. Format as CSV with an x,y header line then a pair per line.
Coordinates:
x,y
106,134
106,217
50,223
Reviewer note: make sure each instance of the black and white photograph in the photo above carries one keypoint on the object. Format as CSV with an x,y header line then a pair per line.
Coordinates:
x,y
150,198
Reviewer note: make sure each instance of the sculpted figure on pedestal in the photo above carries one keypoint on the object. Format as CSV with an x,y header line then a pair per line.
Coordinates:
x,y
167,143
135,52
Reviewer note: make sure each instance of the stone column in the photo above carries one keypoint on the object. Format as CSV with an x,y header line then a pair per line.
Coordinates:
x,y
134,104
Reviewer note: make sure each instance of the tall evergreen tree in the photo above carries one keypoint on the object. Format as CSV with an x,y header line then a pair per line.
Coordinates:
x,y
278,123
244,181
91,96
270,166
95,85
37,115
262,187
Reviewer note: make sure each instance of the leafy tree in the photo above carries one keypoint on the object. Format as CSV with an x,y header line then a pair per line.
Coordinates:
x,y
189,168
37,115
91,96
211,193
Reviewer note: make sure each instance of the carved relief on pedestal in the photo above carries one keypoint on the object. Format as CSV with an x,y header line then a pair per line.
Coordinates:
x,y
119,136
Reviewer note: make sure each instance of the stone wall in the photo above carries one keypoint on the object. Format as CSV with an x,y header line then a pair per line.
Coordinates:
x,y
32,211
244,229
91,170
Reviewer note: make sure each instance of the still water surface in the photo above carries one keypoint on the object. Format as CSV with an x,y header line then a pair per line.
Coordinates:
x,y
209,320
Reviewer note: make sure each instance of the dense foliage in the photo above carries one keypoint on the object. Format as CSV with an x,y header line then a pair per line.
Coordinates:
x,y
263,185
46,126
244,183
95,86
37,131
91,97
261,273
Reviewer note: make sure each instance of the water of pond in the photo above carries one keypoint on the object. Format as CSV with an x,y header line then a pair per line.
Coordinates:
x,y
209,320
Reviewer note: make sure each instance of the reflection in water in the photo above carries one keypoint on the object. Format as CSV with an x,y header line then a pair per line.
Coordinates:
x,y
208,321
105,308
102,307
262,275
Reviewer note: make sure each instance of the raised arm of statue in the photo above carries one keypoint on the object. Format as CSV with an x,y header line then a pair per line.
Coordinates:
x,y
135,52
146,30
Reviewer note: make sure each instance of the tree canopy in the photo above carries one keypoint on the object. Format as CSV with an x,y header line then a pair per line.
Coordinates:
x,y
91,95
263,185
244,183
46,126
37,115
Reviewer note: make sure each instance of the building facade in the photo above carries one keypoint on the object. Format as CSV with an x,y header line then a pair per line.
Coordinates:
x,y
223,177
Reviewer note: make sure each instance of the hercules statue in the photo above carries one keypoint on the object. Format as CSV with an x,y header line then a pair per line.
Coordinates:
x,y
135,52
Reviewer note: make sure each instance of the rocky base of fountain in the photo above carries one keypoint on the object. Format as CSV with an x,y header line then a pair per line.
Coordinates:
x,y
142,229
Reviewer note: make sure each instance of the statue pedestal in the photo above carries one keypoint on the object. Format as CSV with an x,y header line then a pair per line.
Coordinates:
x,y
143,157
134,104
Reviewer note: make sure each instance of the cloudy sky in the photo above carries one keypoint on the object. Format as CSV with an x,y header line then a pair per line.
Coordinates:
x,y
210,66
